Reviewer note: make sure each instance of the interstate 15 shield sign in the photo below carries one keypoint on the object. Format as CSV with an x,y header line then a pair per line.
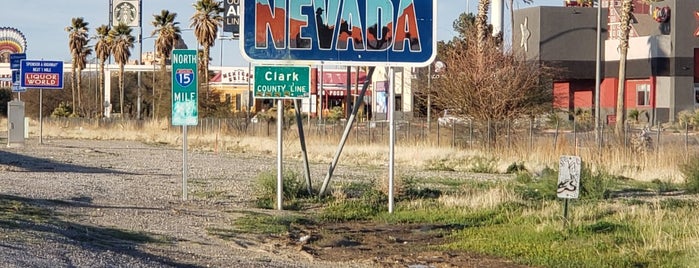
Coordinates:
x,y
185,99
346,32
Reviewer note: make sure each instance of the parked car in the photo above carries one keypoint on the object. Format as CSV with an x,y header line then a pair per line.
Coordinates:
x,y
448,119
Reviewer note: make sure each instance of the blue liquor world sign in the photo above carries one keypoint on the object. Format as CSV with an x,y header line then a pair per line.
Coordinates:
x,y
346,32
185,100
41,74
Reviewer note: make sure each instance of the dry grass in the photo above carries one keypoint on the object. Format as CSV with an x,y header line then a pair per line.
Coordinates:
x,y
646,167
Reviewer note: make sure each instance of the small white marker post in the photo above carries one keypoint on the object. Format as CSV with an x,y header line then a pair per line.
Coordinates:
x,y
568,181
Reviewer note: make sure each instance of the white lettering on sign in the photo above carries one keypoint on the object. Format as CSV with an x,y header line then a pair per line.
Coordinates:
x,y
41,79
184,96
184,59
274,76
234,9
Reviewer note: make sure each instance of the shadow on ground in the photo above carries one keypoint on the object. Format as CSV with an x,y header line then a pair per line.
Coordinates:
x,y
34,217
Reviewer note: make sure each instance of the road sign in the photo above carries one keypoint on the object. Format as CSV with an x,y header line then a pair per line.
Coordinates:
x,y
569,177
282,82
185,99
349,32
15,59
16,83
41,74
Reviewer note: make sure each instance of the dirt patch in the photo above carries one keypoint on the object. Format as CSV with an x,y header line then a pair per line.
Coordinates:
x,y
405,245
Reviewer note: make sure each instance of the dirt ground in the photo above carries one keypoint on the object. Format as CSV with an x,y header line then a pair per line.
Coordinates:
x,y
106,199
406,245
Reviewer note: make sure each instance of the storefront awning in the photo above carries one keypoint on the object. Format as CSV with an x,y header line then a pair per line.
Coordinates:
x,y
343,92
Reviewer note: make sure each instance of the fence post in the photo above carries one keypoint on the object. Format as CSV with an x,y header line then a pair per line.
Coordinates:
x,y
575,135
438,136
686,138
453,135
507,125
657,152
487,143
531,134
470,134
555,135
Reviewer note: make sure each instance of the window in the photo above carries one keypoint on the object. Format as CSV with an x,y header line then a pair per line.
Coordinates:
x,y
643,95
696,94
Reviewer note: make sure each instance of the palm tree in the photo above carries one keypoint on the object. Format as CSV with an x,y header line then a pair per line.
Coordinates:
x,y
122,42
625,26
482,24
168,33
79,64
77,40
206,21
103,51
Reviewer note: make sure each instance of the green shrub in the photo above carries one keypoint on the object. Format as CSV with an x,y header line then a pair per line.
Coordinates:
x,y
266,189
336,114
690,170
595,185
480,164
515,168
370,204
63,110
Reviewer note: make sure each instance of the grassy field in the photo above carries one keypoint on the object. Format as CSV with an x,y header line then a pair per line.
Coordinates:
x,y
635,210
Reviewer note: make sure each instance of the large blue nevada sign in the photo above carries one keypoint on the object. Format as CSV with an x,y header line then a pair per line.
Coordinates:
x,y
347,32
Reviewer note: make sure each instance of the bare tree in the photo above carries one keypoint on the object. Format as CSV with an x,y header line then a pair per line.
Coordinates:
x,y
490,85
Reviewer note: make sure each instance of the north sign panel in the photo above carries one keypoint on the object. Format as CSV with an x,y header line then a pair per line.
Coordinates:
x,y
185,99
346,32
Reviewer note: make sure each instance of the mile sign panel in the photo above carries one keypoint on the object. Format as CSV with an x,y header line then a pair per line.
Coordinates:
x,y
184,88
345,32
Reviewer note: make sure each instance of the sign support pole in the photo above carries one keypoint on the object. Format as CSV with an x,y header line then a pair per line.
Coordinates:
x,y
184,162
304,152
280,173
392,137
41,113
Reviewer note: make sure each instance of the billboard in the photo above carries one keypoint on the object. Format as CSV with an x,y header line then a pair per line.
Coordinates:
x,y
41,74
344,32
231,16
127,12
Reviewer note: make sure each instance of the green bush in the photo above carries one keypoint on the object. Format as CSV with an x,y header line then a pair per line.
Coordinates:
x,y
63,110
335,114
515,168
595,185
690,170
266,189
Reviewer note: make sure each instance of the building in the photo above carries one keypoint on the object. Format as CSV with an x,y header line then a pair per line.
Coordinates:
x,y
328,91
662,76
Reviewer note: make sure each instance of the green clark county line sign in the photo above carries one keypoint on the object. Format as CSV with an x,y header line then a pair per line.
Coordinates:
x,y
282,82
184,88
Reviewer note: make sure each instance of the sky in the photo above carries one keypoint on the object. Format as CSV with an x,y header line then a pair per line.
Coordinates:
x,y
43,23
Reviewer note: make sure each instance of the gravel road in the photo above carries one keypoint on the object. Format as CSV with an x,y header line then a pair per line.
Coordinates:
x,y
87,203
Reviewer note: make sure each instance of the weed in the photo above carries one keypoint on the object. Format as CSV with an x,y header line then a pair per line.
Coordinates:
x,y
690,170
266,190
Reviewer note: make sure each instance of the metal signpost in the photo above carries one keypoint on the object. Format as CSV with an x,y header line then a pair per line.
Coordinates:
x,y
349,32
185,99
41,74
281,82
